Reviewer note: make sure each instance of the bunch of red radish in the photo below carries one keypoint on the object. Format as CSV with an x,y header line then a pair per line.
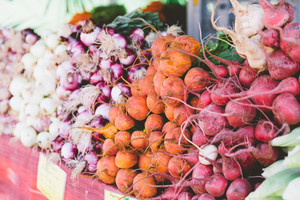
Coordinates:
x,y
205,134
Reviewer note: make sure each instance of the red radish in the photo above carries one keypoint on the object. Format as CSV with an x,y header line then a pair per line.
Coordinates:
x,y
239,114
107,169
217,165
216,185
246,160
280,66
196,79
201,174
247,75
199,138
122,139
172,138
269,37
182,113
238,189
277,15
185,196
109,147
178,167
137,107
205,99
265,131
124,122
173,87
126,159
265,154
143,186
139,140
155,140
211,120
192,157
290,40
221,90
154,122
286,109
155,104
231,169
124,179
206,197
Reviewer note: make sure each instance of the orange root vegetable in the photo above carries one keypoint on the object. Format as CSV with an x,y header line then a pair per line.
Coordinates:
x,y
155,140
108,131
188,44
169,112
137,107
154,122
122,139
145,161
151,70
147,85
182,113
124,122
173,87
160,45
139,140
155,104
124,179
109,147
107,169
142,186
126,159
172,139
178,167
169,125
196,79
114,112
195,102
155,63
174,62
158,80
135,88
160,165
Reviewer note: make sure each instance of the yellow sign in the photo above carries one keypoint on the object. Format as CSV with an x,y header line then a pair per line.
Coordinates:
x,y
109,195
51,179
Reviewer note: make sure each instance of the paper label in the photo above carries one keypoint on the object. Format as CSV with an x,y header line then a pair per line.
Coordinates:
x,y
109,195
51,179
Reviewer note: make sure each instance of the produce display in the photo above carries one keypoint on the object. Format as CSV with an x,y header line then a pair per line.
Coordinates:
x,y
157,113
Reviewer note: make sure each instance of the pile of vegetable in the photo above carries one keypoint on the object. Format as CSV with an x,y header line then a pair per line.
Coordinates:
x,y
159,114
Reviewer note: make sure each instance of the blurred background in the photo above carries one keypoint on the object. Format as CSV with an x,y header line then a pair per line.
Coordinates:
x,y
51,14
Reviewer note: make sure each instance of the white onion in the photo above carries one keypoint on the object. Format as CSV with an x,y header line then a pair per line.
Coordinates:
x,y
43,140
48,105
32,109
54,129
28,136
60,49
209,151
38,49
15,103
16,86
18,129
28,61
51,40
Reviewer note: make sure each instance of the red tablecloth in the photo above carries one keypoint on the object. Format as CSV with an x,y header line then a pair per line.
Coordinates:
x,y
18,176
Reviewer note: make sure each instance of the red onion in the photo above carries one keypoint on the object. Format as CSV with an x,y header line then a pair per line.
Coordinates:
x,y
105,92
129,59
89,38
91,159
96,77
117,70
75,48
98,122
103,32
103,111
68,151
57,144
119,91
71,80
63,68
137,36
136,72
119,40
64,129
